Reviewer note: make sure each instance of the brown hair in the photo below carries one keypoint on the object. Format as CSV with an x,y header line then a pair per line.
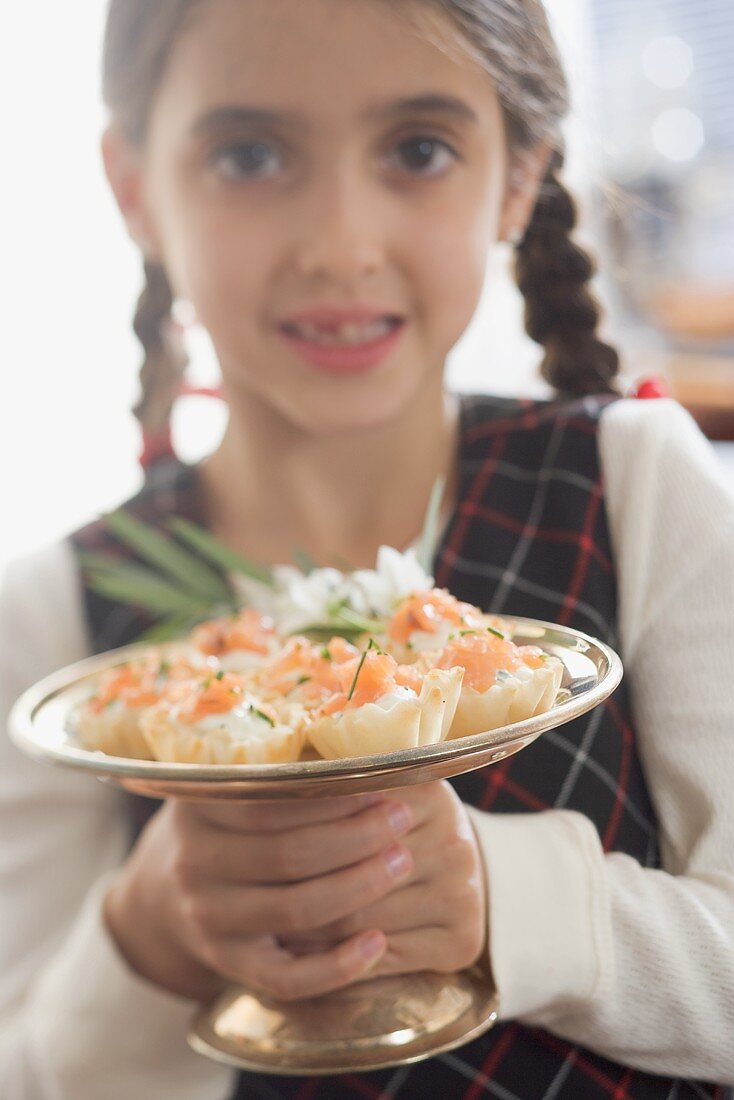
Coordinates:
x,y
512,39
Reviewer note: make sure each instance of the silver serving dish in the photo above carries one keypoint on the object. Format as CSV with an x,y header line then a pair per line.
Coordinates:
x,y
39,726
374,1024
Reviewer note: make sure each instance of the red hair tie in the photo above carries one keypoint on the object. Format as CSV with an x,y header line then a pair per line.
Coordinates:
x,y
652,385
156,445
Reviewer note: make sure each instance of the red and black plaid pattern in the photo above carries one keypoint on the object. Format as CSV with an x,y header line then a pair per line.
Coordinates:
x,y
528,537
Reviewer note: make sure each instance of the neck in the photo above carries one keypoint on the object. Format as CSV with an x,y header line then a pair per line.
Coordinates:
x,y
336,496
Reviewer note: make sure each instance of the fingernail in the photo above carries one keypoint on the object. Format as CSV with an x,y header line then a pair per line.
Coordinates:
x,y
371,945
399,817
398,861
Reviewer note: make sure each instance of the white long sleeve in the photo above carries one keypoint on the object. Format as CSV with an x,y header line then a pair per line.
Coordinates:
x,y
634,963
75,1022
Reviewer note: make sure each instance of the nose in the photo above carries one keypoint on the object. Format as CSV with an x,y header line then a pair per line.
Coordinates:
x,y
339,229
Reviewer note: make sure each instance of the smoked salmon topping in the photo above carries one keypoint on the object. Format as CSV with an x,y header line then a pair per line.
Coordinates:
x,y
532,656
426,611
283,674
317,668
483,654
248,630
219,693
365,680
405,676
140,683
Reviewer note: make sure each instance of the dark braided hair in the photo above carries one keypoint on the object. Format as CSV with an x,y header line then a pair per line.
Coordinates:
x,y
513,42
561,313
164,363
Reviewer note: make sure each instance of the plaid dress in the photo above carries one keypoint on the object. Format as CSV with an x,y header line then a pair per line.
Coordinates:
x,y
528,536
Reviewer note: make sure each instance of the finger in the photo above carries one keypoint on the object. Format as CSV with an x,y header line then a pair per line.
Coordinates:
x,y
267,968
431,803
241,817
282,910
302,853
398,911
427,948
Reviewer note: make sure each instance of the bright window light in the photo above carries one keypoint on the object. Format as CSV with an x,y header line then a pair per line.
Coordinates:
x,y
678,134
668,62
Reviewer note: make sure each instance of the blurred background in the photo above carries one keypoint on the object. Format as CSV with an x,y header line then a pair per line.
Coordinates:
x,y
651,158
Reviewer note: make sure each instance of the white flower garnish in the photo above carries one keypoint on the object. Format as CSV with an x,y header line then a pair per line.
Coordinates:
x,y
297,600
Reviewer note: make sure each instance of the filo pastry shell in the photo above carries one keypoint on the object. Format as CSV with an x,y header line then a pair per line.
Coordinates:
x,y
115,730
249,741
515,696
400,723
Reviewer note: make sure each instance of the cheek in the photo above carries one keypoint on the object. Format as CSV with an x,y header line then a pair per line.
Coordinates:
x,y
221,262
452,259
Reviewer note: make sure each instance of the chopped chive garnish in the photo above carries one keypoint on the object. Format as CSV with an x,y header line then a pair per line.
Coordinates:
x,y
496,633
356,675
165,668
373,644
219,675
303,680
463,632
261,714
325,654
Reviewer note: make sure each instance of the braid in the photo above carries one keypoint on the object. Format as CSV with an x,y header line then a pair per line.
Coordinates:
x,y
164,364
553,274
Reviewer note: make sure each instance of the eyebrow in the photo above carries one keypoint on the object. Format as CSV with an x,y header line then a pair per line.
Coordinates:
x,y
430,103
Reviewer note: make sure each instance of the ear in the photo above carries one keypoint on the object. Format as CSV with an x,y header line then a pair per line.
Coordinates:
x,y
526,173
124,171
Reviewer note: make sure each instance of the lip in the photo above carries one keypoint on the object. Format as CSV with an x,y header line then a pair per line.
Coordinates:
x,y
345,359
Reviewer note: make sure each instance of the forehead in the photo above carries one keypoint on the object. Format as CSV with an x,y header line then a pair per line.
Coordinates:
x,y
324,59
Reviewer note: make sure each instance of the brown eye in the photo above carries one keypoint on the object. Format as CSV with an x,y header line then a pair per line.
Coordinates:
x,y
242,160
419,153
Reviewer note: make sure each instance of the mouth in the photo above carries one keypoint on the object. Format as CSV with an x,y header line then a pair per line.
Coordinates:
x,y
350,334
348,348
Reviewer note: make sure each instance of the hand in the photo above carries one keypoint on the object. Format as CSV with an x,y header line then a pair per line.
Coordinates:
x,y
211,886
436,920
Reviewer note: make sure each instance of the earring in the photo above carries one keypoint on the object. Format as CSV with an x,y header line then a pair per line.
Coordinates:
x,y
183,313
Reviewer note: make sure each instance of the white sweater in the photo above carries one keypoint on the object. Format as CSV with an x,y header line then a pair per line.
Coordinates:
x,y
636,964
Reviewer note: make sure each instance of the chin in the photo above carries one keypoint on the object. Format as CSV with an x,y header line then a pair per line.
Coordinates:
x,y
336,408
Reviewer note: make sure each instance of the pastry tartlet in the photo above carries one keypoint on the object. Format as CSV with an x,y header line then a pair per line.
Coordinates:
x,y
239,643
218,720
425,620
386,708
308,674
109,720
503,682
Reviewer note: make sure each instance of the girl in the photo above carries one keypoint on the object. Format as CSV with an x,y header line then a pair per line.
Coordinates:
x,y
322,181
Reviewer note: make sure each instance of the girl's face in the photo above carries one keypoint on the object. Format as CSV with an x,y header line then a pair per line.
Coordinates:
x,y
281,173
